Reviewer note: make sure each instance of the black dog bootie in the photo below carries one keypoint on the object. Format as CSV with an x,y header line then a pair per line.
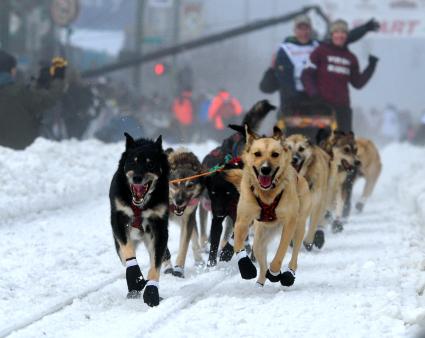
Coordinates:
x,y
151,294
246,267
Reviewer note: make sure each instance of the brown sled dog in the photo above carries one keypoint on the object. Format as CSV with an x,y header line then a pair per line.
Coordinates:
x,y
312,163
184,198
272,195
370,168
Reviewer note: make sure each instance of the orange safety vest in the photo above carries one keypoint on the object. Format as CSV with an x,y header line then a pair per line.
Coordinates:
x,y
223,105
183,108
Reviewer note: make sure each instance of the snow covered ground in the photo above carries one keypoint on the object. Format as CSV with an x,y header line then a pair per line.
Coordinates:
x,y
57,250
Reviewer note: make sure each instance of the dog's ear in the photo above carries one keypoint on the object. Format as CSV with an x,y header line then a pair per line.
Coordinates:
x,y
277,133
158,141
129,141
309,142
250,136
238,128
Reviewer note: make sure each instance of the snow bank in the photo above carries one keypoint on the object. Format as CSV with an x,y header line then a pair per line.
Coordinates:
x,y
404,173
49,174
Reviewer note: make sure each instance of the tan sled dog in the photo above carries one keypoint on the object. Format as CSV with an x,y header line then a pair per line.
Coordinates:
x,y
312,163
272,195
342,149
370,168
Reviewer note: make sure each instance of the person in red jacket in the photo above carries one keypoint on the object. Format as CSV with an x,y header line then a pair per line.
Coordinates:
x,y
329,71
223,107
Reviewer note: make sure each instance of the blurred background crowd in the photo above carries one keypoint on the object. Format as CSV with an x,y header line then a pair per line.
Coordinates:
x,y
187,96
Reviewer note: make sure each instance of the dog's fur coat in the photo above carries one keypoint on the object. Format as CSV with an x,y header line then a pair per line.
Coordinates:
x,y
139,212
269,179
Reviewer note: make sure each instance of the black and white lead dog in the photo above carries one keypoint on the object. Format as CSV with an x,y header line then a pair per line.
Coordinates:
x,y
139,212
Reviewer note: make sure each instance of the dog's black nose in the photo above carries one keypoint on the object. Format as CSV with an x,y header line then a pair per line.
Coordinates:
x,y
137,179
357,163
179,202
266,170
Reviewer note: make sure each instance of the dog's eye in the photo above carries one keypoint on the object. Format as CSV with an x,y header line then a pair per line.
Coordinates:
x,y
347,150
257,154
301,149
227,192
189,185
212,192
275,154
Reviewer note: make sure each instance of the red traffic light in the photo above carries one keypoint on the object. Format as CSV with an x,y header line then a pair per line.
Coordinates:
x,y
159,69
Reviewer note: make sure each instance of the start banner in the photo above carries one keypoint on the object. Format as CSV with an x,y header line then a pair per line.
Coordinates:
x,y
398,18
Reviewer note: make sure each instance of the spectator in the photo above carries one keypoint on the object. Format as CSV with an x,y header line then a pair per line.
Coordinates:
x,y
331,68
390,128
183,112
291,59
223,107
22,107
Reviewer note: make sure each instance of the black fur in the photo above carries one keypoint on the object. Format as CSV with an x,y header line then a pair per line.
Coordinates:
x,y
225,197
150,159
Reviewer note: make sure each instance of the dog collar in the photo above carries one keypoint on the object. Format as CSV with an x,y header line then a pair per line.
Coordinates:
x,y
268,211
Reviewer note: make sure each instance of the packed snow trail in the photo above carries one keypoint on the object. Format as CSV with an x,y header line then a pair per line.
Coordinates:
x,y
367,281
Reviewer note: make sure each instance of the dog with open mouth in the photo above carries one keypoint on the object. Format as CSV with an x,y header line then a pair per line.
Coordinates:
x,y
312,163
184,198
139,213
276,199
344,165
221,197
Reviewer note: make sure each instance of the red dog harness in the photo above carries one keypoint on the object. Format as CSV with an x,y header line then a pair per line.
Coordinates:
x,y
268,211
137,218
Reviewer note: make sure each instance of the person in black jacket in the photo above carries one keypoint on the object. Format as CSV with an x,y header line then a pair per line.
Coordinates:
x,y
21,106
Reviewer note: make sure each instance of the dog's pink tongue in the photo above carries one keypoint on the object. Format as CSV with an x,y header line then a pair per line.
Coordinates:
x,y
265,181
139,190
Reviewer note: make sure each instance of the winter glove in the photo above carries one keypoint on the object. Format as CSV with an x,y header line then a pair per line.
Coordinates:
x,y
58,68
373,59
372,25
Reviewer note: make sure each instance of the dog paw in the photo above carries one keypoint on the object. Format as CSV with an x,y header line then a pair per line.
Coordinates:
x,y
246,267
211,263
359,206
319,238
273,277
287,278
227,252
134,294
151,294
169,270
308,246
178,272
337,226
134,278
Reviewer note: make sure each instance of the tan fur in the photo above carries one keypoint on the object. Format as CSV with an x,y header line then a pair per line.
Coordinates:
x,y
340,148
315,169
292,209
370,167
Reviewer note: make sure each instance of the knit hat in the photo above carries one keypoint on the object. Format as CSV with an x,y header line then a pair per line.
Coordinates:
x,y
339,25
7,61
302,19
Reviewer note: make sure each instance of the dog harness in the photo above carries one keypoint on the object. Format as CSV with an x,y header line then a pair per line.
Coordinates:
x,y
137,218
268,211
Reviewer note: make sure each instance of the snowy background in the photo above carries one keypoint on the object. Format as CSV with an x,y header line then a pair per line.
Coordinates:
x,y
60,275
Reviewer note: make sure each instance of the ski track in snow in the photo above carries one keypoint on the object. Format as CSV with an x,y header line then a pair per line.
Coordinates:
x,y
366,282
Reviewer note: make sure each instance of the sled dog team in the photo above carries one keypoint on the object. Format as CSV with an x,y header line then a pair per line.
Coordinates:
x,y
274,184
